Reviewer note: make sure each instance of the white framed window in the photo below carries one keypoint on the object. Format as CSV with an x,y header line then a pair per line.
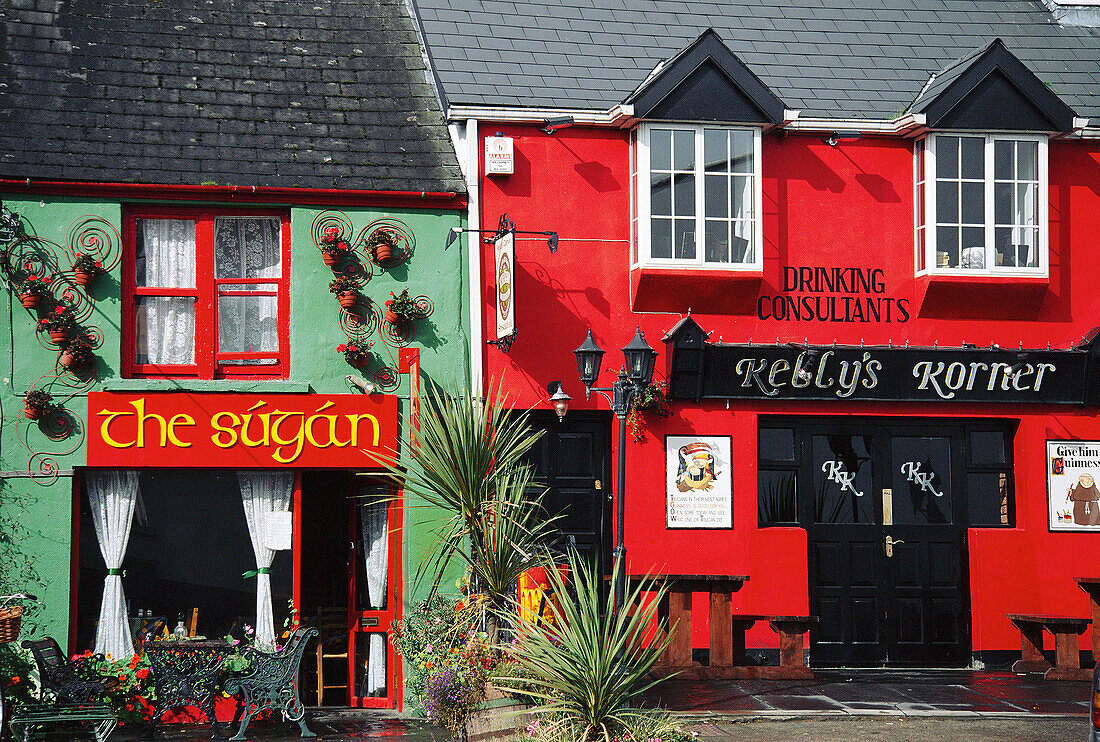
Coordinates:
x,y
981,204
698,197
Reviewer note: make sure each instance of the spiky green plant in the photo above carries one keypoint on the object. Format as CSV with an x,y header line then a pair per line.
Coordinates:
x,y
592,664
467,460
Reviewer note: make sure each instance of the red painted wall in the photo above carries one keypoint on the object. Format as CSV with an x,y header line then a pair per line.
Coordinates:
x,y
851,205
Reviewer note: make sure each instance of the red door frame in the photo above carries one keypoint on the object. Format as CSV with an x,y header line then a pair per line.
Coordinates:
x,y
357,619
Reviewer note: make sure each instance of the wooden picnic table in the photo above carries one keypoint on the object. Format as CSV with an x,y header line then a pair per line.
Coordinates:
x,y
1091,586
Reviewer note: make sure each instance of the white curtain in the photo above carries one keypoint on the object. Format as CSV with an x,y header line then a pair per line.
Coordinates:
x,y
112,495
166,259
264,492
373,517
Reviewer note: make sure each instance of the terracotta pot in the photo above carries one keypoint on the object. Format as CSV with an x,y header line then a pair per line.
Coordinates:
x,y
359,362
69,359
32,413
392,317
330,258
347,299
382,252
29,301
59,336
81,278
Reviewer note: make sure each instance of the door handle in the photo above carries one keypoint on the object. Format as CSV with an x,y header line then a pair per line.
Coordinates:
x,y
891,542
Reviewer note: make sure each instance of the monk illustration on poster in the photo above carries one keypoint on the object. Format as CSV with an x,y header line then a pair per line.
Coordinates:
x,y
1072,494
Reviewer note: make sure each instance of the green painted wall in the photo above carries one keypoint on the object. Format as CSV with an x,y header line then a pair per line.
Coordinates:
x,y
36,514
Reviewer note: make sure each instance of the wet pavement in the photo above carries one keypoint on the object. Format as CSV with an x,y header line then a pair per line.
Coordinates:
x,y
837,705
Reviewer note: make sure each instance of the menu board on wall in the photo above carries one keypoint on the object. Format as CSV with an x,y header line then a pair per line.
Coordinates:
x,y
1073,495
697,482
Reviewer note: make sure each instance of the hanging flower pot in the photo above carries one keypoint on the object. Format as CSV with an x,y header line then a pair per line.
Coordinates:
x,y
31,290
29,301
84,268
391,317
59,323
81,278
355,355
330,258
36,403
346,290
58,336
401,308
381,244
346,299
68,359
333,246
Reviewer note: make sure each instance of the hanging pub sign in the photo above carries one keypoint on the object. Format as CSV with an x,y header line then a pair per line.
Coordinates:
x,y
505,282
703,370
697,482
239,431
1073,494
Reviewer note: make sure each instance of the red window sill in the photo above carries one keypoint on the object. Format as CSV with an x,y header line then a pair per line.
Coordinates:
x,y
702,290
981,296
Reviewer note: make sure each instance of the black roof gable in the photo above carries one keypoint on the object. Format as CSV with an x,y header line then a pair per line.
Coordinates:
x,y
991,89
707,82
324,94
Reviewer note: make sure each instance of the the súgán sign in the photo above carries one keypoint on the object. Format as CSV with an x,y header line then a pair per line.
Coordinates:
x,y
185,430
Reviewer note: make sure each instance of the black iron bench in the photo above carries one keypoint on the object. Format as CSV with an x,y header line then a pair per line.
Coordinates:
x,y
70,695
1067,656
270,683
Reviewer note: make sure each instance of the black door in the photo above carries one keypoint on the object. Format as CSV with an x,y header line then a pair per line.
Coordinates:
x,y
886,540
571,461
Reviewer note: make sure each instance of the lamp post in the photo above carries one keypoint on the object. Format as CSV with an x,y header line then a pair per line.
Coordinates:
x,y
636,374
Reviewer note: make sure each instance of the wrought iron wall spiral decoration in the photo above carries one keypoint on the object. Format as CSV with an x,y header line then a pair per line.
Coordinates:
x,y
363,321
25,255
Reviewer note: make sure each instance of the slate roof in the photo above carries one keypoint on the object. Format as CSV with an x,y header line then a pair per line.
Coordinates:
x,y
833,58
288,93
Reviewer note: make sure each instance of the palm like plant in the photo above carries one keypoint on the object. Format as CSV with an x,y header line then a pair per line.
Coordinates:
x,y
592,664
467,460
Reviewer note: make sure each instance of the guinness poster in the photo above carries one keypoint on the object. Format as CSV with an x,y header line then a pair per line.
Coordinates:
x,y
697,482
1073,493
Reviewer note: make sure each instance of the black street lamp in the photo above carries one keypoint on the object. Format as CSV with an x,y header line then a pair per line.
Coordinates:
x,y
636,374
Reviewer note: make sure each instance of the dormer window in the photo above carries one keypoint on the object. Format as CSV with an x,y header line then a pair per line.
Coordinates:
x,y
698,196
981,203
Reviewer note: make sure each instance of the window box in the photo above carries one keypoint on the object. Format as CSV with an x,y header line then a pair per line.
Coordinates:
x,y
981,207
206,294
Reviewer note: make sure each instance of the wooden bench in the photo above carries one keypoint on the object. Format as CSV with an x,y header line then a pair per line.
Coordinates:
x,y
46,717
1067,657
791,629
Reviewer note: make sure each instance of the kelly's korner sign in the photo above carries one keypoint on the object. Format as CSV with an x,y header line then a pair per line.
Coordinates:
x,y
240,430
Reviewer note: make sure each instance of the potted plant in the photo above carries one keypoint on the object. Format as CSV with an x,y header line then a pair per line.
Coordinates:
x,y
59,323
401,308
36,403
355,354
333,246
381,244
84,268
31,291
650,398
346,290
76,352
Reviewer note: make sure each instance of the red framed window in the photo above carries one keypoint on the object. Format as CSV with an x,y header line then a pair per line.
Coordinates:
x,y
206,293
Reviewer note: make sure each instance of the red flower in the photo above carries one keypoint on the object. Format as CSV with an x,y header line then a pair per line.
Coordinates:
x,y
42,321
353,349
332,232
133,662
342,245
341,348
32,278
121,678
59,310
142,674
98,264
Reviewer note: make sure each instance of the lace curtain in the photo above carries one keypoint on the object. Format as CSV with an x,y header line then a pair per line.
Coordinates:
x,y
112,495
165,259
374,520
264,492
247,248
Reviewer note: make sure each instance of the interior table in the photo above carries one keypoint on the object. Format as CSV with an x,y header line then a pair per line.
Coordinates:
x,y
187,673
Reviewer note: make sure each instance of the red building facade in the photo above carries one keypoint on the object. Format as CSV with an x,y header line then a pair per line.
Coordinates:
x,y
890,340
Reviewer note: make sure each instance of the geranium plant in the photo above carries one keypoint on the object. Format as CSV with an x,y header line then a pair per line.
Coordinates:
x,y
76,351
342,284
38,398
34,285
381,244
652,398
60,319
401,307
129,700
85,263
332,243
354,353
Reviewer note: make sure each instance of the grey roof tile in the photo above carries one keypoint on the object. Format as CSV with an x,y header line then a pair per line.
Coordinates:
x,y
841,58
245,92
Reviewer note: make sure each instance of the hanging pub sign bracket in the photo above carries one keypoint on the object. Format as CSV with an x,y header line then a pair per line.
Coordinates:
x,y
705,370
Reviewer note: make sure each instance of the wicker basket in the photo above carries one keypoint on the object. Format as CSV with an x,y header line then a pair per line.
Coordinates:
x,y
9,623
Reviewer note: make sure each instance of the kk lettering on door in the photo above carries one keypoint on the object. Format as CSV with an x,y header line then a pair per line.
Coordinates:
x,y
834,472
912,472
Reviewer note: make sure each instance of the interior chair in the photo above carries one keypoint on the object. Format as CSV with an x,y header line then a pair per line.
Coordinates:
x,y
332,652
